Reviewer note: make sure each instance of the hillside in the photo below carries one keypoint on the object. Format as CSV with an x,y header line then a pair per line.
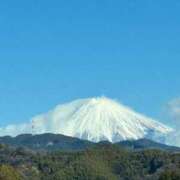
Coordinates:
x,y
141,144
54,142
103,162
46,142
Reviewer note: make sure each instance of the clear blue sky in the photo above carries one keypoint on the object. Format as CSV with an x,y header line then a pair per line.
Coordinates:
x,y
56,51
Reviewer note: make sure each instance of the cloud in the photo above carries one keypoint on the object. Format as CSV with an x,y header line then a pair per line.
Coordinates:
x,y
173,110
14,130
44,123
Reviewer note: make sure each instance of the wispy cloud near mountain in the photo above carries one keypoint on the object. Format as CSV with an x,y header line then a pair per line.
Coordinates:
x,y
173,109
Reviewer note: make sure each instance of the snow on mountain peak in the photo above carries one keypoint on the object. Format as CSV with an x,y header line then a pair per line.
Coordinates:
x,y
94,119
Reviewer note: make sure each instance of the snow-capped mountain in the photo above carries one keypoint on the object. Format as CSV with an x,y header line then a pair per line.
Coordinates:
x,y
94,119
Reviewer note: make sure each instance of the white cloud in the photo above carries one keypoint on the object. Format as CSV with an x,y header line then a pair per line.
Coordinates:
x,y
14,130
173,109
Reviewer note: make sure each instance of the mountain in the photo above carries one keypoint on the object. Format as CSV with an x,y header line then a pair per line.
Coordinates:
x,y
46,142
54,142
93,119
99,119
141,144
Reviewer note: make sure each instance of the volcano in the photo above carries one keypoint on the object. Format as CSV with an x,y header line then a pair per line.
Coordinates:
x,y
95,119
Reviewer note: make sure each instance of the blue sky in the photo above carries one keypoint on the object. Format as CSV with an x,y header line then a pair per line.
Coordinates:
x,y
54,52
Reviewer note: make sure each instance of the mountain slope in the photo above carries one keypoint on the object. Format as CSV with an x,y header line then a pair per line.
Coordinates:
x,y
146,144
46,142
100,119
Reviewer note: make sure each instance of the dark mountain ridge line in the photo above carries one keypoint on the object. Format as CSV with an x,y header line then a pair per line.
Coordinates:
x,y
49,141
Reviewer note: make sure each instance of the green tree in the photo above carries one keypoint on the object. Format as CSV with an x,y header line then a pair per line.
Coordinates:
x,y
9,173
170,175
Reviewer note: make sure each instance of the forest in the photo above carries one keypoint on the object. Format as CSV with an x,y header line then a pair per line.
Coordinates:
x,y
100,162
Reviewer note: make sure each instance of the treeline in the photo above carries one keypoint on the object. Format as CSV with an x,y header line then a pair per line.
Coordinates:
x,y
103,162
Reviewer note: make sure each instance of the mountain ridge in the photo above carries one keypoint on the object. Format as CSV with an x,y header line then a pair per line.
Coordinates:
x,y
53,142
